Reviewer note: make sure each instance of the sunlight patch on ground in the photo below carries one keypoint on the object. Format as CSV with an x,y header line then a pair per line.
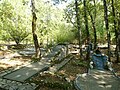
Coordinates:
x,y
8,59
11,63
4,66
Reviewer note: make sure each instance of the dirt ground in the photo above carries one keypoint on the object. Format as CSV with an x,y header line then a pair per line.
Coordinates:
x,y
62,80
10,59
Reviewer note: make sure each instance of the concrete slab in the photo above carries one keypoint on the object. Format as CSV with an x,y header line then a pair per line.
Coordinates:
x,y
31,51
56,67
58,47
97,80
26,72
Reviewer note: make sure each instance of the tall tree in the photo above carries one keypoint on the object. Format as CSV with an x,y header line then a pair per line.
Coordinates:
x,y
92,17
78,25
118,37
34,18
87,30
107,26
116,33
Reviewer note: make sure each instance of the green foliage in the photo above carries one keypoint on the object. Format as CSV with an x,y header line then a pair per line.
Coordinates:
x,y
14,24
5,36
54,25
18,35
64,34
97,11
52,28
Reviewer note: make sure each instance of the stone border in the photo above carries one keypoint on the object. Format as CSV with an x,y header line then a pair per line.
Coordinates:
x,y
57,67
14,85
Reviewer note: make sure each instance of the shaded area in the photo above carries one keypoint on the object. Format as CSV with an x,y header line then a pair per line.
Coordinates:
x,y
27,71
97,80
62,76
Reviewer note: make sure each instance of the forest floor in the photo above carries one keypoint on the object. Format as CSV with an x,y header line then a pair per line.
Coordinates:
x,y
61,80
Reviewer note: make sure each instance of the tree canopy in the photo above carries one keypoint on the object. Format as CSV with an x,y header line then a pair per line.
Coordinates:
x,y
57,22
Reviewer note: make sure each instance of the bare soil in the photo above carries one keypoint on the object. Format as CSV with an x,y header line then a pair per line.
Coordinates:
x,y
61,80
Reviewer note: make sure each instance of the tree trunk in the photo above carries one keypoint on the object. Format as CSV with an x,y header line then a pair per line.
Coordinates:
x,y
116,33
34,18
78,26
119,33
87,30
107,27
94,29
118,38
88,35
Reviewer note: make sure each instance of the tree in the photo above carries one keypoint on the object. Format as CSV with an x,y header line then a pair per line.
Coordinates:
x,y
87,29
93,17
107,26
78,26
115,29
6,15
118,44
13,27
51,27
34,18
